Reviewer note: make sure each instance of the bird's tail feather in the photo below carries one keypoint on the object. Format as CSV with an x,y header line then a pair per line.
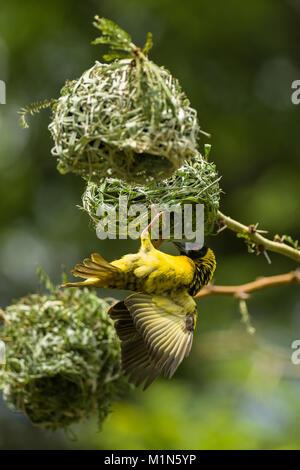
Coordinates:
x,y
97,272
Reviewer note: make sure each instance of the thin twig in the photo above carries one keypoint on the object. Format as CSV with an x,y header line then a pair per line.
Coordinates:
x,y
243,290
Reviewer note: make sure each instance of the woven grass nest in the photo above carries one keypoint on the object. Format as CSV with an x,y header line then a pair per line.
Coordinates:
x,y
63,357
127,119
196,182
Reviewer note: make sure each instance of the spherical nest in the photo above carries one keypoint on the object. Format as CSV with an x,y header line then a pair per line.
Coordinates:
x,y
63,357
128,119
196,182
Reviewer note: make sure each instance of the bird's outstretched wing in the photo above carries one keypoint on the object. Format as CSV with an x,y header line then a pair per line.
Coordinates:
x,y
156,333
135,357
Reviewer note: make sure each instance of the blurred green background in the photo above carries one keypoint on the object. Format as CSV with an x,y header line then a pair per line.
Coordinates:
x,y
236,62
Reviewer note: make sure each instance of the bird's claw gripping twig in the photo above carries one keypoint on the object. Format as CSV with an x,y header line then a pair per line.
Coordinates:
x,y
145,232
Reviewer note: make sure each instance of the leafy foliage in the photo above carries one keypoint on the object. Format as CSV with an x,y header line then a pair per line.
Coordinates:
x,y
291,241
113,35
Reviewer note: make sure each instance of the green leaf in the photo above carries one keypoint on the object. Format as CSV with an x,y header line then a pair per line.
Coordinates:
x,y
116,55
148,45
113,35
293,243
207,149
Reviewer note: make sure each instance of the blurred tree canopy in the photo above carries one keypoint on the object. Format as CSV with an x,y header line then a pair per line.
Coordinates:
x,y
236,63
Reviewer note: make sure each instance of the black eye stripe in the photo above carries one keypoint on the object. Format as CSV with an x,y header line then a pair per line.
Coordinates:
x,y
197,253
203,251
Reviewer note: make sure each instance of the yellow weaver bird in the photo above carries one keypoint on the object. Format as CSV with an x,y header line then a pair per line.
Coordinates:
x,y
156,324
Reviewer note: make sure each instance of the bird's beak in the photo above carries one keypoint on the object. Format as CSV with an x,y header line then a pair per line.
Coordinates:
x,y
187,247
180,246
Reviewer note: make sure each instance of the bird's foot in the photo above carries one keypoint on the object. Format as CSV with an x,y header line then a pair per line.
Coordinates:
x,y
145,232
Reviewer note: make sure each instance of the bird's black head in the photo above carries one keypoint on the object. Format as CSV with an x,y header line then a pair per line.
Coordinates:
x,y
192,250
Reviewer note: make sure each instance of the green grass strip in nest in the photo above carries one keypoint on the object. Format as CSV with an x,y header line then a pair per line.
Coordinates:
x,y
196,182
63,357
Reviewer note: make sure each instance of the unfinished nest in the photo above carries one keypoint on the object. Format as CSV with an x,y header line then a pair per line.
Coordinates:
x,y
128,119
196,182
63,357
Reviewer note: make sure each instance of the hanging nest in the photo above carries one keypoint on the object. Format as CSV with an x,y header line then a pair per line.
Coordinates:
x,y
196,182
128,119
62,357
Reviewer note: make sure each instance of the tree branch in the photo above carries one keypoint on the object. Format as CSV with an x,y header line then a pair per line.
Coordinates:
x,y
242,291
252,234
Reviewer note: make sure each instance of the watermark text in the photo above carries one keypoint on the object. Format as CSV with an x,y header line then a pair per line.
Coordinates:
x,y
2,92
295,357
2,353
124,221
295,97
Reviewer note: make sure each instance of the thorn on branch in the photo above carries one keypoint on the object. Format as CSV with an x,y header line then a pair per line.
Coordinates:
x,y
221,229
260,249
254,238
222,225
253,229
277,238
266,255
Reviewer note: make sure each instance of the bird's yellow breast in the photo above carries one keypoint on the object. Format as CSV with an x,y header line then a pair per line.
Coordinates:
x,y
155,271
